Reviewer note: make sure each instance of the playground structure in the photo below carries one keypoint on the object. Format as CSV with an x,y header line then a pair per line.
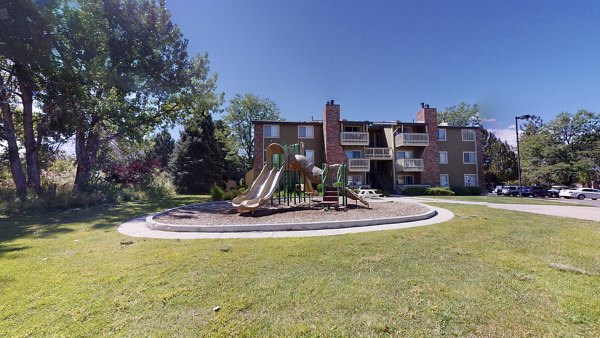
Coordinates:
x,y
287,179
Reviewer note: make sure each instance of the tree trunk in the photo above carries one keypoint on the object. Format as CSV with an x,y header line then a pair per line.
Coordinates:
x,y
31,148
86,149
13,149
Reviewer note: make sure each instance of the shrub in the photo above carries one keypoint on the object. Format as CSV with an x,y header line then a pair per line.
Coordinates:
x,y
461,191
414,191
216,193
160,186
383,193
440,191
233,193
474,190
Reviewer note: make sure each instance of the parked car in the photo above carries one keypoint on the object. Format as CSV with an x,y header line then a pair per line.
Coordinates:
x,y
555,190
510,190
580,193
498,189
535,191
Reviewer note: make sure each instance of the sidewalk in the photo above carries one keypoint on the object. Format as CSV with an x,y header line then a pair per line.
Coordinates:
x,y
571,211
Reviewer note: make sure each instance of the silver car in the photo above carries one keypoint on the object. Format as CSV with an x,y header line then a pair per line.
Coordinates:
x,y
580,193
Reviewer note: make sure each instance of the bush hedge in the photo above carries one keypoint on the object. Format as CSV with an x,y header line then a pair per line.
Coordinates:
x,y
441,191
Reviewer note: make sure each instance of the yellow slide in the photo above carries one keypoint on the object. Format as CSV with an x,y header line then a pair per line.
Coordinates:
x,y
355,197
261,191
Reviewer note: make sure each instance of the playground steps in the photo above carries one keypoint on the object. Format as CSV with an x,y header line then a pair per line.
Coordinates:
x,y
331,197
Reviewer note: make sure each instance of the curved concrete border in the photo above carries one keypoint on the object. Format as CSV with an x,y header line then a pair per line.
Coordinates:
x,y
152,224
137,228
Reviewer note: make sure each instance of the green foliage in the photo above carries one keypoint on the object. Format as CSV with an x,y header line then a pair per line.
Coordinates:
x,y
414,191
162,148
196,164
241,112
473,190
461,191
233,193
160,186
499,160
439,191
216,193
234,165
463,114
564,151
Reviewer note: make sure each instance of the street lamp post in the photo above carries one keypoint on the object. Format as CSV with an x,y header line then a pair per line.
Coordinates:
x,y
517,118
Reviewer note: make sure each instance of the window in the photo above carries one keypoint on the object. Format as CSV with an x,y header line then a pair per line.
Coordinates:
x,y
403,180
470,180
468,135
351,129
441,134
443,157
353,154
355,180
404,154
469,157
310,155
444,180
305,131
271,131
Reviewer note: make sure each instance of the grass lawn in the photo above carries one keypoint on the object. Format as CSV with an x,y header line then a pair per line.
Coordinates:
x,y
505,200
487,272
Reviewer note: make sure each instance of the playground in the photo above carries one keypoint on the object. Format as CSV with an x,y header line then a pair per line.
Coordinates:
x,y
291,194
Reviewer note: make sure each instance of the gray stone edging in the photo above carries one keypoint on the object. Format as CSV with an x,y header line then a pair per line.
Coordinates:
x,y
152,224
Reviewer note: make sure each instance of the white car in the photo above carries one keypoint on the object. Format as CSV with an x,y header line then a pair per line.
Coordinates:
x,y
581,193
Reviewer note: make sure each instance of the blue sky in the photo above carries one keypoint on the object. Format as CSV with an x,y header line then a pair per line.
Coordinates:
x,y
380,59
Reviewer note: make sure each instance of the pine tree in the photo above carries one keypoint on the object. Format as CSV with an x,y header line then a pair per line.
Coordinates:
x,y
163,148
196,164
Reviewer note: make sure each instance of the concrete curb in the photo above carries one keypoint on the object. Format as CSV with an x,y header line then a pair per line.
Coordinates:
x,y
154,225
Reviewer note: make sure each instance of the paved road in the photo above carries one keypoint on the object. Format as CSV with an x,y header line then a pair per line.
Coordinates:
x,y
587,201
570,209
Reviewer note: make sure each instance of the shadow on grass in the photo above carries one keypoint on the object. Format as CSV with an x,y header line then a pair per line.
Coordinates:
x,y
43,224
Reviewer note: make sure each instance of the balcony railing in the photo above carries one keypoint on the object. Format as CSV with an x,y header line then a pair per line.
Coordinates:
x,y
359,164
379,153
354,138
412,139
409,164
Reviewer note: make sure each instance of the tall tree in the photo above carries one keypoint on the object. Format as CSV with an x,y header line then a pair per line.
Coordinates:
x,y
463,114
26,53
162,148
125,71
242,110
196,163
499,160
234,166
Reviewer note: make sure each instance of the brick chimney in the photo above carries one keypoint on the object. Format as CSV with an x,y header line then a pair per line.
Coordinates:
x,y
431,155
334,154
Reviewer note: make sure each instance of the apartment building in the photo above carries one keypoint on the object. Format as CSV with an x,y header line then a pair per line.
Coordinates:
x,y
387,155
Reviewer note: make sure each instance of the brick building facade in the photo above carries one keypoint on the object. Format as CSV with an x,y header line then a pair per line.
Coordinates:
x,y
388,155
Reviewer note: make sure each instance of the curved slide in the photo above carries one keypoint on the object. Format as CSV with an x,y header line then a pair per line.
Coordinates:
x,y
261,191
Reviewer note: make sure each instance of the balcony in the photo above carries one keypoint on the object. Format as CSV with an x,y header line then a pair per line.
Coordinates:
x,y
410,164
412,139
379,153
354,138
359,164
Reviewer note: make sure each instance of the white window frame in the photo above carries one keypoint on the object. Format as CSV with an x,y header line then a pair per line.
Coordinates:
x,y
312,132
446,156
306,151
272,126
474,157
473,184
445,134
447,180
464,132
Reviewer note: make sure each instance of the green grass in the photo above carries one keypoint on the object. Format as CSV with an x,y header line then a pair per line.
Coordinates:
x,y
487,272
503,200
